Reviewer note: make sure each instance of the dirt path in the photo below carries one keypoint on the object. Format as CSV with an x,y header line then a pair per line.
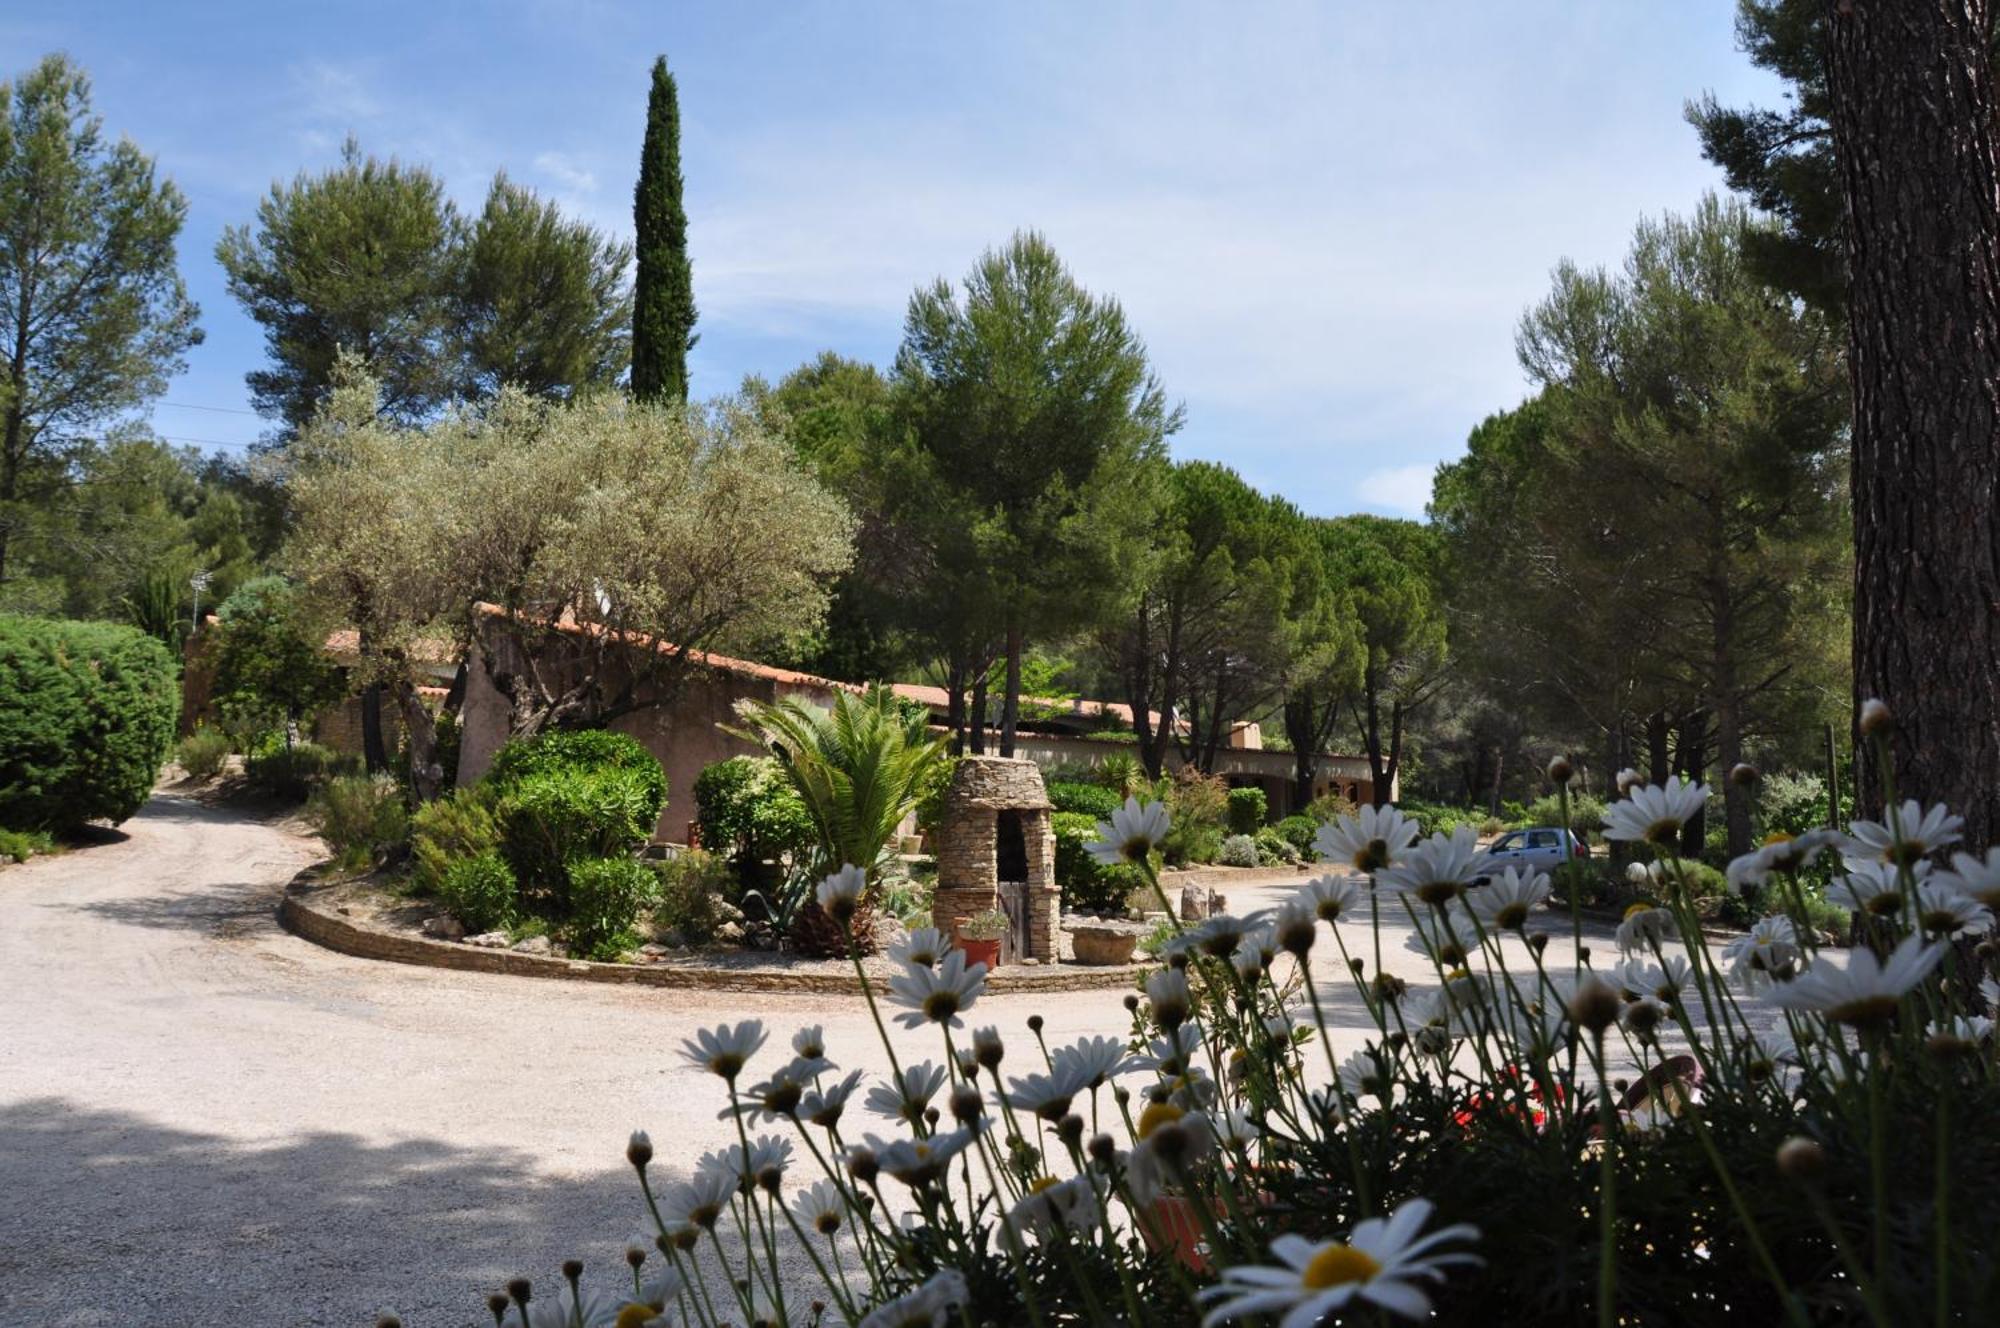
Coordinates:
x,y
205,1121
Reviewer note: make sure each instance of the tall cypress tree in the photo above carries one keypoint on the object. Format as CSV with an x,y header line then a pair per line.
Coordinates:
x,y
663,294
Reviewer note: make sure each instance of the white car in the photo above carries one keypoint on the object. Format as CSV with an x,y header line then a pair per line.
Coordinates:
x,y
1539,848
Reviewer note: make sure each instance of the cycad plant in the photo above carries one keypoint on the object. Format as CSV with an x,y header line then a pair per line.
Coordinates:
x,y
860,767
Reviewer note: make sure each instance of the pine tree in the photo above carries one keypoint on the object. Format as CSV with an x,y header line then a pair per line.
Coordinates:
x,y
663,314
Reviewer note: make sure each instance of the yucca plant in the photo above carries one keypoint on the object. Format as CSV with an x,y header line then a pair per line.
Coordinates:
x,y
860,767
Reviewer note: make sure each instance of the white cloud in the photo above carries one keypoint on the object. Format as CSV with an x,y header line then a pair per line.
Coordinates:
x,y
1402,489
566,172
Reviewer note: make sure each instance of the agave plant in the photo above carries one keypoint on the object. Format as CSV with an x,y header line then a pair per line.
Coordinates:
x,y
860,767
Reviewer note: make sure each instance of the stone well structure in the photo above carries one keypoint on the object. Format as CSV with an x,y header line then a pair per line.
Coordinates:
x,y
996,848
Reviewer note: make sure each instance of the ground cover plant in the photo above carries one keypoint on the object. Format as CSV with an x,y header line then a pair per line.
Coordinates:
x,y
1770,1130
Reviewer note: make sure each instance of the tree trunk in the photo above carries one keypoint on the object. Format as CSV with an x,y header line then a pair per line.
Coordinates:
x,y
1010,705
954,707
977,723
1912,109
1657,729
426,775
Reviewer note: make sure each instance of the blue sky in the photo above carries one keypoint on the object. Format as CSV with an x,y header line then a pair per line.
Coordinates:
x,y
1324,218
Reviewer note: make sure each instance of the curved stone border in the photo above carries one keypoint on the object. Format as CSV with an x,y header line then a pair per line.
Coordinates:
x,y
303,913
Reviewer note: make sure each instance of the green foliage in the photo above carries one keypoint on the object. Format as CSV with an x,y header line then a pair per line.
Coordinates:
x,y
1196,804
1791,804
556,817
1592,879
1432,819
87,714
690,894
577,751
1093,800
1088,884
94,318
605,898
203,752
1238,851
293,772
479,891
1122,774
271,665
749,812
1299,831
1586,812
663,313
20,845
1248,809
449,830
1273,848
361,817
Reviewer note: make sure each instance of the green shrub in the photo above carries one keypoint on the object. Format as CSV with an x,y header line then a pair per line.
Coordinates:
x,y
689,893
293,772
1273,848
1248,809
1299,831
1238,851
584,749
555,817
749,812
1790,804
1329,807
87,715
449,830
269,656
1088,884
1198,804
20,845
1432,818
361,817
203,752
605,896
479,891
1586,813
1120,772
1092,800
1592,877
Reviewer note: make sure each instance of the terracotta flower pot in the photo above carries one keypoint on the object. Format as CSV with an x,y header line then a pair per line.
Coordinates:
x,y
978,951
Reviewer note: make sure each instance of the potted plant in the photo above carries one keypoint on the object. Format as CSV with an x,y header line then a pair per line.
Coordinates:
x,y
979,936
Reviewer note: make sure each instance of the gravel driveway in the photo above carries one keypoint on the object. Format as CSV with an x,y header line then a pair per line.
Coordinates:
x,y
205,1121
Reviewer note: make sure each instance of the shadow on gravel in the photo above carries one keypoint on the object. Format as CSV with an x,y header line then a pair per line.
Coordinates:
x,y
112,1219
229,909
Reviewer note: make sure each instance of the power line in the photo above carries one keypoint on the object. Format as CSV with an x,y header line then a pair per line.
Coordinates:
x,y
219,410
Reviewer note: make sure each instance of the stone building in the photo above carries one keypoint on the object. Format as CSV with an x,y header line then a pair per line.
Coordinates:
x,y
996,848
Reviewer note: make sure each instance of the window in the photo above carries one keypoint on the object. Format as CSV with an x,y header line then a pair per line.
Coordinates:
x,y
1541,839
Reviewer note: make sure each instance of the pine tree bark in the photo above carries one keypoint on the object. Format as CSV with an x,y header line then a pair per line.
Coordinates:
x,y
1911,93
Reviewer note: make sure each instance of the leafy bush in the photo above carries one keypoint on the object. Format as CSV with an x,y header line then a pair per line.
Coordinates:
x,y
605,896
1273,848
1238,851
1092,800
361,817
1197,804
1594,879
271,665
1299,831
583,749
553,818
203,752
87,714
1248,809
1088,884
20,845
1329,807
749,812
479,891
1121,772
1434,818
1586,812
449,830
1791,804
689,894
293,772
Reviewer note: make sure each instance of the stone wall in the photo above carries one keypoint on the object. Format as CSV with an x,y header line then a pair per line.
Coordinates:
x,y
968,851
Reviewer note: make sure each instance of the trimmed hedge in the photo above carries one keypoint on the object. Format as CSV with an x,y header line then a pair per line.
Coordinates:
x,y
1092,800
749,811
1299,832
87,714
1087,883
583,749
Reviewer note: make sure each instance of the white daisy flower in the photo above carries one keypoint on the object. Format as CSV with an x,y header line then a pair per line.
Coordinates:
x,y
937,995
1048,1095
1961,1033
1051,1207
1506,901
1368,1073
778,1097
1368,841
1380,1263
1654,813
1780,853
820,1207
823,1106
922,948
1441,868
1171,1055
1219,934
1644,928
1943,911
1167,993
906,1100
809,1043
1642,979
562,1311
1234,1129
724,1050
1866,990
840,894
1330,897
1132,833
698,1201
917,1162
1874,888
766,1161
1091,1061
1768,950
1914,833
1976,878
929,1306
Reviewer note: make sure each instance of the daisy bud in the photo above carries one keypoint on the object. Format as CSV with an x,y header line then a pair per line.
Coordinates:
x,y
986,1047
1619,1085
1397,1040
1131,1002
497,1304
1583,955
639,1149
1559,770
635,1255
1034,1023
520,1289
1452,954
1801,1160
932,1116
572,1269
1642,1019
1178,961
1594,1006
1744,774
966,1104
1538,942
1355,966
1876,718
968,1065
1121,1095
1103,1148
862,1165
1388,987
389,1319
1070,1130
